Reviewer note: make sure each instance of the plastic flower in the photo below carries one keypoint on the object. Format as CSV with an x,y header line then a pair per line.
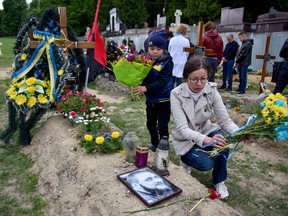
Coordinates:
x,y
31,101
42,99
20,99
44,84
31,81
115,134
31,89
99,140
60,72
12,95
19,84
88,137
23,57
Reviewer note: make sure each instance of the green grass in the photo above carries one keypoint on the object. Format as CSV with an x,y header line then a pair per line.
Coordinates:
x,y
18,185
7,51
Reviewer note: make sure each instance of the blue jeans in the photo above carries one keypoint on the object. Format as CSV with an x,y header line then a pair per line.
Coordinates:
x,y
228,71
213,61
243,78
201,161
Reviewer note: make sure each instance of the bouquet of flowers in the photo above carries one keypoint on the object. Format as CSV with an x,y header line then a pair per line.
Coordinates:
x,y
132,69
106,143
29,93
270,121
81,108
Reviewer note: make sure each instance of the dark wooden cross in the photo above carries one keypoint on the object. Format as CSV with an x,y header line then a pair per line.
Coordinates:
x,y
266,57
64,33
199,42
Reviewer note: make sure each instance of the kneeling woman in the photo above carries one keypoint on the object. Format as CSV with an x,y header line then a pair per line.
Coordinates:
x,y
193,104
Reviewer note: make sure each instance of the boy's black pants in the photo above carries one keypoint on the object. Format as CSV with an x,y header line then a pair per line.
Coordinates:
x,y
158,117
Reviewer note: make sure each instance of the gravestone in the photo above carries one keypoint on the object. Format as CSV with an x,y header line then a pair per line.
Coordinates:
x,y
232,20
178,15
273,21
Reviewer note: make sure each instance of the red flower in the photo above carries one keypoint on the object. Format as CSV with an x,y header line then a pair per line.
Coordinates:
x,y
100,104
70,93
87,101
63,99
73,114
59,108
213,194
83,109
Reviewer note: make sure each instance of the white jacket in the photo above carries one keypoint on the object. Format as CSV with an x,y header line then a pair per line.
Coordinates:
x,y
191,122
179,57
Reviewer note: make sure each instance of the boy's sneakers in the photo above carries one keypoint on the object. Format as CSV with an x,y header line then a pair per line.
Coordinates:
x,y
222,190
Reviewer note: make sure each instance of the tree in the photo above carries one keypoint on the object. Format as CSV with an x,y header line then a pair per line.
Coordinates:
x,y
204,10
12,16
131,13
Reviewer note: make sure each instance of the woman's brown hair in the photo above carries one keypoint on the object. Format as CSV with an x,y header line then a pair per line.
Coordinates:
x,y
194,64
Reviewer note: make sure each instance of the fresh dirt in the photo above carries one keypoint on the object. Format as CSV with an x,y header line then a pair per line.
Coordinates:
x,y
74,183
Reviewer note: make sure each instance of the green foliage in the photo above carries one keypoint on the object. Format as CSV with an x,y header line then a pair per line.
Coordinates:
x,y
132,14
104,143
7,50
204,10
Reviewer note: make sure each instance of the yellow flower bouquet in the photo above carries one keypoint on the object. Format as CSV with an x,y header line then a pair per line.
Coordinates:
x,y
104,143
29,93
269,121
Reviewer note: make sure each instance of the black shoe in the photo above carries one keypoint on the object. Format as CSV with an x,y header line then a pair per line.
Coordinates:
x,y
222,87
152,148
228,89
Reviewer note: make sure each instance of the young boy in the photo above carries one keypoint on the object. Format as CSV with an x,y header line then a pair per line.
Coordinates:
x,y
157,87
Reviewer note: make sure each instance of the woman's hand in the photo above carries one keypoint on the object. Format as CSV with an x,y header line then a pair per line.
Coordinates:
x,y
139,89
218,140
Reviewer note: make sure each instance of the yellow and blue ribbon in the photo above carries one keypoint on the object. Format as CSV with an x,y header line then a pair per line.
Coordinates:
x,y
48,39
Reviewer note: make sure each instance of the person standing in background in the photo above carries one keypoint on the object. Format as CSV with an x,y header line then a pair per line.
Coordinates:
x,y
243,60
179,57
282,80
228,59
212,40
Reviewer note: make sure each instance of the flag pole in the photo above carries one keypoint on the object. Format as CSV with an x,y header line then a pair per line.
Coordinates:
x,y
93,30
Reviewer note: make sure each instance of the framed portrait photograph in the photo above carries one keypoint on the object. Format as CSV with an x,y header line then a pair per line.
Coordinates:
x,y
149,186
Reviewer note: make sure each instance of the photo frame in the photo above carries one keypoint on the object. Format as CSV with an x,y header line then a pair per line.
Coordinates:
x,y
150,187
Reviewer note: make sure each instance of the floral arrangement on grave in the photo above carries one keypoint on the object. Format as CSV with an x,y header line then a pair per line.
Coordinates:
x,y
38,74
104,143
131,70
81,107
269,121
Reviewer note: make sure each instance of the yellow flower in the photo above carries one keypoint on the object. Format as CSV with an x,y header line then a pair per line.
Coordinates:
x,y
115,134
44,84
10,90
31,81
269,120
60,72
88,137
31,89
13,94
23,57
99,140
42,99
19,84
31,101
20,99
48,92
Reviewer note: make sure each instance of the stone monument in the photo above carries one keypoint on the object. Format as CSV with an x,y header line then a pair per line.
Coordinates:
x,y
178,15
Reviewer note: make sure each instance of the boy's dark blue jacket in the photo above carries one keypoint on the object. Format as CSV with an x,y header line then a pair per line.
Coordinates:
x,y
159,82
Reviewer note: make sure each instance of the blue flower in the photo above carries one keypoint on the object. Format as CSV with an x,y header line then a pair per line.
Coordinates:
x,y
279,103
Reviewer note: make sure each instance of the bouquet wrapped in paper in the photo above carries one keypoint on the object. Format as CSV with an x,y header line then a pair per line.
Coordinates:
x,y
131,70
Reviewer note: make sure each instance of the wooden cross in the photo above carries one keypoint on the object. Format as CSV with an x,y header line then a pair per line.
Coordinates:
x,y
64,34
266,57
208,52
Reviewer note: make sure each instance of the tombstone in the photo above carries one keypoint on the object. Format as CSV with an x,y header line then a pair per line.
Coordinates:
x,y
0,48
273,21
232,20
161,21
178,15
